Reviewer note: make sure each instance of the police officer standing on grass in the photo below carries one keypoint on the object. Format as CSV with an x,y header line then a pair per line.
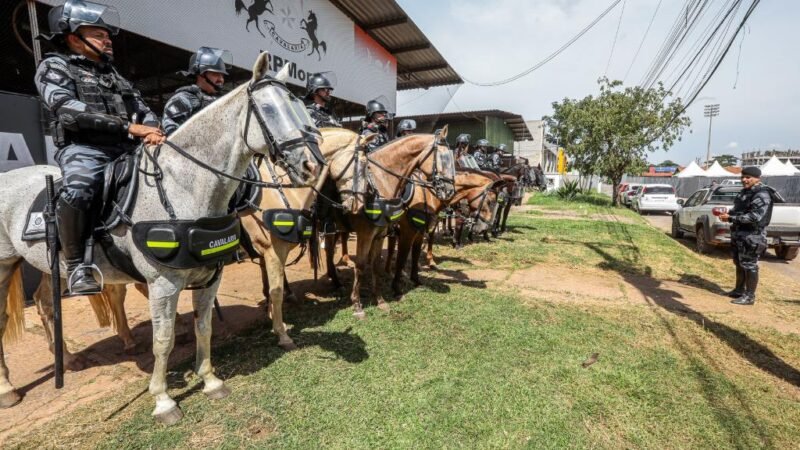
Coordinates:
x,y
751,213
481,153
208,68
95,113
375,123
319,94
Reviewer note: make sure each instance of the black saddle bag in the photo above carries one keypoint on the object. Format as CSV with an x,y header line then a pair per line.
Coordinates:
x,y
188,244
290,225
383,212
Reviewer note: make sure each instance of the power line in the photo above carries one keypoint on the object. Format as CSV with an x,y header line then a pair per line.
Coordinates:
x,y
636,55
551,56
616,34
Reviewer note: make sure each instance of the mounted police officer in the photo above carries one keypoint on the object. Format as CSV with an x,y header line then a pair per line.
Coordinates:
x,y
98,116
208,67
481,153
319,90
497,157
406,127
375,123
751,213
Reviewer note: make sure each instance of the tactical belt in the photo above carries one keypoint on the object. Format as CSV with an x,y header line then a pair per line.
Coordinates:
x,y
290,225
188,244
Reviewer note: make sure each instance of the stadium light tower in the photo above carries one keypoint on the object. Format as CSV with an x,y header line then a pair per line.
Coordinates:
x,y
711,111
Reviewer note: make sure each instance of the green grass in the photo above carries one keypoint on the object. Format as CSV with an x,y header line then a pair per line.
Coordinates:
x,y
584,204
458,365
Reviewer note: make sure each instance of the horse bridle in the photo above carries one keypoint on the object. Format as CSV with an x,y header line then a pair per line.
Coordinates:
x,y
483,196
269,138
438,181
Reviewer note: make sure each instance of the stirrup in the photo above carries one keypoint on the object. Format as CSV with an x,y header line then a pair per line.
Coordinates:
x,y
71,279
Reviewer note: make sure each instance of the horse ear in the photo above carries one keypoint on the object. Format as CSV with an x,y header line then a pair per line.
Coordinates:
x,y
261,66
283,75
365,140
443,133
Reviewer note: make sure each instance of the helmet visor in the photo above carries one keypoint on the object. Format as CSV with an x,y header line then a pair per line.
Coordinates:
x,y
78,13
210,59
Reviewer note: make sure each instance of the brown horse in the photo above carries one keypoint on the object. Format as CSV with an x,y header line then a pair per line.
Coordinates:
x,y
383,174
423,209
338,145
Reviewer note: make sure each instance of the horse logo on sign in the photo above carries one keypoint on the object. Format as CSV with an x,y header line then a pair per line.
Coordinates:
x,y
283,27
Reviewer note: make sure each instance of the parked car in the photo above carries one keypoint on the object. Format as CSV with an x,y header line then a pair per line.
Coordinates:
x,y
655,198
698,217
731,182
628,194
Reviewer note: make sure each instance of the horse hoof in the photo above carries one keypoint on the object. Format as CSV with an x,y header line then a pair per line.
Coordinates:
x,y
287,346
9,399
360,315
170,417
218,393
383,306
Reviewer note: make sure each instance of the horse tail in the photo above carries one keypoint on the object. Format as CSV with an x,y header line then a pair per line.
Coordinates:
x,y
15,307
101,305
239,6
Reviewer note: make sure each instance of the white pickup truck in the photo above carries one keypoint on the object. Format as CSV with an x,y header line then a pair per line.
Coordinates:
x,y
696,217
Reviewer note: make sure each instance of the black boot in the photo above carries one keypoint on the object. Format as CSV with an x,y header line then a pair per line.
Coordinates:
x,y
72,232
739,289
751,283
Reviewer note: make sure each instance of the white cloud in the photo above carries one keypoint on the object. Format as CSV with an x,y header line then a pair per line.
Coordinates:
x,y
733,145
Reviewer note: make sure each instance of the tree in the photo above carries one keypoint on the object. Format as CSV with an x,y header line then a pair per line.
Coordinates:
x,y
611,134
726,160
667,163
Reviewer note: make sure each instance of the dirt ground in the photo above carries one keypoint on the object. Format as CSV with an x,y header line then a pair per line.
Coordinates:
x,y
109,367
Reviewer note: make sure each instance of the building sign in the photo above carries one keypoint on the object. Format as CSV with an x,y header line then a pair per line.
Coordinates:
x,y
21,137
311,35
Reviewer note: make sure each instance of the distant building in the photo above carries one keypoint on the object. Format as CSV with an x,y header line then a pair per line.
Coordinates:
x,y
537,150
498,127
760,157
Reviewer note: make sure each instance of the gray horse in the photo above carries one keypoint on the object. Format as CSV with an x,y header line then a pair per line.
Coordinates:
x,y
224,137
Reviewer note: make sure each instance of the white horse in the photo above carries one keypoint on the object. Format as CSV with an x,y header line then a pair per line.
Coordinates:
x,y
225,136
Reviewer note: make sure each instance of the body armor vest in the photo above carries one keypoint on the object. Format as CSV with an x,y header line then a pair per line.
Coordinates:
x,y
103,91
322,117
198,97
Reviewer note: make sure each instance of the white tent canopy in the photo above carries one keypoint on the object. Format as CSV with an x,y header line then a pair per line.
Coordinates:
x,y
692,170
716,170
774,167
792,167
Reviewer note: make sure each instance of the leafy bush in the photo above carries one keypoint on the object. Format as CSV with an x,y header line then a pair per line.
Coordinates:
x,y
569,190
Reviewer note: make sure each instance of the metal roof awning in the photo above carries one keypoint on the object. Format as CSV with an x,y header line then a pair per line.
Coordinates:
x,y
419,64
514,121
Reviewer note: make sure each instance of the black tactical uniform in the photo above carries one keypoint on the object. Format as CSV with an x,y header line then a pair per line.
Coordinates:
x,y
372,126
189,100
322,115
92,106
461,151
480,154
751,213
497,157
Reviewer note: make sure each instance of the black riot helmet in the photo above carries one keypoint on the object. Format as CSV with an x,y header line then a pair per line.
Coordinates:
x,y
482,143
463,139
375,106
73,14
322,80
406,126
209,59
501,148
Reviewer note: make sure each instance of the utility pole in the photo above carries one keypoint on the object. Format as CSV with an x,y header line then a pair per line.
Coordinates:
x,y
711,111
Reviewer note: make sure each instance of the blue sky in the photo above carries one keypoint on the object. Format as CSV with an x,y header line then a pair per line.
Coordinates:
x,y
492,40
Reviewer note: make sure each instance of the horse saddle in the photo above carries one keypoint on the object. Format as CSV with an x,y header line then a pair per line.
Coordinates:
x,y
120,185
